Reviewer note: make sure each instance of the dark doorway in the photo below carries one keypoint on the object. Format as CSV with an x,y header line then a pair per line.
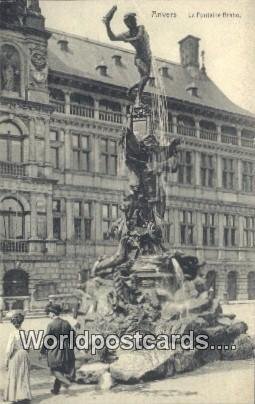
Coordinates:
x,y
251,285
232,285
16,283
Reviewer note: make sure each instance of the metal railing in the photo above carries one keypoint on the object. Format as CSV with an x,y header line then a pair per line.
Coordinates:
x,y
10,168
20,246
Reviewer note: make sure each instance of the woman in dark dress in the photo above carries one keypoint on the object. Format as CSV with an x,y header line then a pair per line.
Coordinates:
x,y
60,361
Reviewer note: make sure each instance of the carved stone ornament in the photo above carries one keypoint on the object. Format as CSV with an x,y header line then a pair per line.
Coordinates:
x,y
39,58
39,77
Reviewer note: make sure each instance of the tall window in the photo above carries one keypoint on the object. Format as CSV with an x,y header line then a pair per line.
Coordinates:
x,y
185,168
187,227
54,147
108,156
12,219
167,226
248,177
228,173
81,152
229,230
10,143
109,216
249,231
82,220
207,170
56,219
208,222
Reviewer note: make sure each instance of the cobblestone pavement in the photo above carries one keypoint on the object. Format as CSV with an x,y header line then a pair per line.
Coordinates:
x,y
217,383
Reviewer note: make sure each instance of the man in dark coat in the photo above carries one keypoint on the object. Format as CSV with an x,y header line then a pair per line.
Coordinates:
x,y
60,361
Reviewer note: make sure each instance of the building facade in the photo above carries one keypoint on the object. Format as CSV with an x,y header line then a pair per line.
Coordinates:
x,y
63,106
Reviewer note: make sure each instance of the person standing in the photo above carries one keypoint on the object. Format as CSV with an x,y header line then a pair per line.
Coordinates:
x,y
60,361
18,365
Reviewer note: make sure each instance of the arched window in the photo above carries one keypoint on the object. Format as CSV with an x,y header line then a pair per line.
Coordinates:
x,y
12,220
251,285
9,69
10,143
232,285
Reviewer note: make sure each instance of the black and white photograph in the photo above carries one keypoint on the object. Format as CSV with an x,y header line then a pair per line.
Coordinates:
x,y
127,201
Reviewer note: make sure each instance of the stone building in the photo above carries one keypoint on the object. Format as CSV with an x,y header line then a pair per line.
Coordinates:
x,y
62,109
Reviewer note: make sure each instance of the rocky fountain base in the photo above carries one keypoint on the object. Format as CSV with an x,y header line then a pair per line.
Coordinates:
x,y
189,311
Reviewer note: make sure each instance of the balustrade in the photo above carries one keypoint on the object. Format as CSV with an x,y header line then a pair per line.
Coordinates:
x,y
10,168
82,110
8,246
186,130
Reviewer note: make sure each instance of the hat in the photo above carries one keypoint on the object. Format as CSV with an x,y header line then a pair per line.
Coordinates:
x,y
53,308
17,318
128,15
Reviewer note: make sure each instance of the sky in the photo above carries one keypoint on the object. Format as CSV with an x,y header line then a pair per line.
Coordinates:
x,y
228,42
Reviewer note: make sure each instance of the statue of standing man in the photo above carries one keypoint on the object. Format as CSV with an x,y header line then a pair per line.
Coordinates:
x,y
139,39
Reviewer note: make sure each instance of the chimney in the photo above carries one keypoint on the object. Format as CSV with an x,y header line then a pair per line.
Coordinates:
x,y
189,52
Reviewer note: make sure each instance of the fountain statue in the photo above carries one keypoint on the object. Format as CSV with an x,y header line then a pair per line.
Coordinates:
x,y
143,287
139,39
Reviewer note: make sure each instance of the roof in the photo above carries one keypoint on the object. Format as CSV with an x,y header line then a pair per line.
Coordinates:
x,y
84,55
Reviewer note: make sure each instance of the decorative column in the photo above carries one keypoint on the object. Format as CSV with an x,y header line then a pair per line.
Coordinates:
x,y
98,221
33,220
47,151
220,235
240,237
67,102
218,129
49,217
32,165
33,227
239,136
199,236
32,153
197,127
197,181
96,106
239,175
67,146
96,153
69,220
50,244
219,171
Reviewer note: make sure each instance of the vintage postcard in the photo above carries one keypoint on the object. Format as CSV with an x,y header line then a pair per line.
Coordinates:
x,y
127,201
